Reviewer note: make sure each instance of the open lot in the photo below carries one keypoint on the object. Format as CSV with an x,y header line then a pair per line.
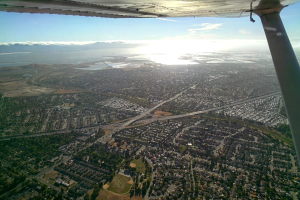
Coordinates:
x,y
21,88
160,113
139,165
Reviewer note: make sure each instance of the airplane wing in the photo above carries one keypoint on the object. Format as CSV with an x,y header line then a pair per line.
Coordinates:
x,y
140,8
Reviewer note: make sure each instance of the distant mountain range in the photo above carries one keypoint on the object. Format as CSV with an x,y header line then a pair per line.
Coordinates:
x,y
16,54
60,46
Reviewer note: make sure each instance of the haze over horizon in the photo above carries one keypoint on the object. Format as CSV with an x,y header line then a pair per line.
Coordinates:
x,y
162,40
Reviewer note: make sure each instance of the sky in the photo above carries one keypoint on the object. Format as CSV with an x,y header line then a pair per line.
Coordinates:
x,y
23,27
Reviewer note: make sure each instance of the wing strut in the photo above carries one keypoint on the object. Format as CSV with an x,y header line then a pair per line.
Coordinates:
x,y
286,66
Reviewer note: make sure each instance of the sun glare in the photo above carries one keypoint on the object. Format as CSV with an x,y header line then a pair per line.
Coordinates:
x,y
177,52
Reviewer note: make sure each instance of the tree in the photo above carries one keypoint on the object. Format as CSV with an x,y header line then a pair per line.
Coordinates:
x,y
95,192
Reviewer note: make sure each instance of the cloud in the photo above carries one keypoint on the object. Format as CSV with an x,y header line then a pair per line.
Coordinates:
x,y
11,53
166,19
73,42
205,27
244,32
48,43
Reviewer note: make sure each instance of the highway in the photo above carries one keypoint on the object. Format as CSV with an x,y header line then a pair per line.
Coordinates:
x,y
119,126
107,137
239,102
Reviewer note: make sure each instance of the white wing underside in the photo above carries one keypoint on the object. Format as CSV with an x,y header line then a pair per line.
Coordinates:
x,y
140,8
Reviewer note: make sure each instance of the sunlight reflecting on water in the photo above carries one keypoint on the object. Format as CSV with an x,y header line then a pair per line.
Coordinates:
x,y
175,52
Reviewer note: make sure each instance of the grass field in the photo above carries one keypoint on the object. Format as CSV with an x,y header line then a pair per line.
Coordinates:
x,y
182,148
50,176
120,184
107,195
118,189
139,165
